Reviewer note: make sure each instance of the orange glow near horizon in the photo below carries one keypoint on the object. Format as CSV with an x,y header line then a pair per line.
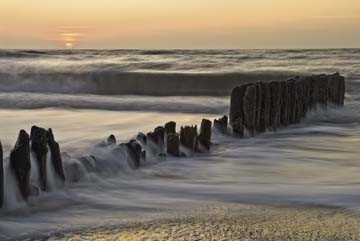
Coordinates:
x,y
179,24
70,36
69,45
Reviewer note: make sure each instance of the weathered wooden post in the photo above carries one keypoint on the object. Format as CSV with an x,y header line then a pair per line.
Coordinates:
x,y
40,148
306,95
135,154
221,123
170,127
275,108
157,136
173,144
323,82
56,154
20,163
299,100
142,138
250,109
285,107
258,117
204,137
238,127
265,107
237,102
188,136
292,102
319,91
336,89
111,140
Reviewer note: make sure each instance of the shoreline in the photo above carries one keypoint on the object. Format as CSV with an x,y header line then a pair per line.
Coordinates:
x,y
233,222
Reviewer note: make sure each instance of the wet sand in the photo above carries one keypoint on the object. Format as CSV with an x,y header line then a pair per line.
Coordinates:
x,y
236,222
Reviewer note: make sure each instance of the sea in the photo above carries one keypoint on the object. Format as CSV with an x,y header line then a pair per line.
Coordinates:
x,y
86,95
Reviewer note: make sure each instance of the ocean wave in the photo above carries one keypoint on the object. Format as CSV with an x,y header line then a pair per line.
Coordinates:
x,y
110,81
116,103
163,72
137,83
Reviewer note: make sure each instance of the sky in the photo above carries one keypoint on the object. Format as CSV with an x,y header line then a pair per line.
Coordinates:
x,y
179,24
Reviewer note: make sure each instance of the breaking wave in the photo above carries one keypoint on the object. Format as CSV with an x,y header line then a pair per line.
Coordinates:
x,y
120,83
163,72
199,104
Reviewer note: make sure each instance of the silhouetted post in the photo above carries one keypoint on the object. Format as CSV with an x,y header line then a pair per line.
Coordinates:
x,y
40,148
285,99
204,137
135,154
142,138
111,140
265,107
157,136
299,100
307,95
237,102
221,123
292,101
250,109
170,127
275,108
173,144
258,117
188,136
238,127
336,89
56,154
20,163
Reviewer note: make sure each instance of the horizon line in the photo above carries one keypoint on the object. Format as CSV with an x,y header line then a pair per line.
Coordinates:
x,y
183,49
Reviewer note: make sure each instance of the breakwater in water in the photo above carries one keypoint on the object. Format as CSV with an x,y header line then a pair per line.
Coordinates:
x,y
262,106
249,112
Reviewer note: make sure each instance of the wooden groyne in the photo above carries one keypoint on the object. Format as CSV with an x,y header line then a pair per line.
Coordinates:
x,y
262,106
20,165
254,108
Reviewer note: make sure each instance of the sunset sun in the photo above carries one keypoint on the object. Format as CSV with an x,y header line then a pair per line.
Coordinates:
x,y
70,36
69,45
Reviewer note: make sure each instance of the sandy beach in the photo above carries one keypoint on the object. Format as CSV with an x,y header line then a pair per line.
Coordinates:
x,y
236,222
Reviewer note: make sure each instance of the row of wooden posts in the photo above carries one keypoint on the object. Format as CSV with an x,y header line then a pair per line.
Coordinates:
x,y
41,141
254,107
262,106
